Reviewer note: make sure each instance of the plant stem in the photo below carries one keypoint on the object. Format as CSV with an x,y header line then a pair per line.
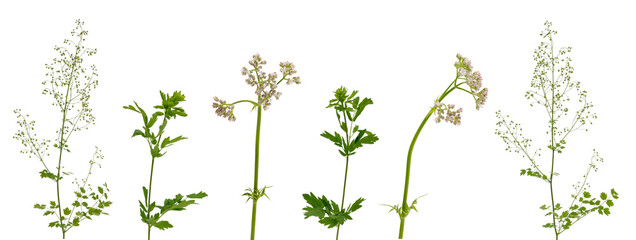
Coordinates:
x,y
258,135
61,146
552,86
410,153
346,149
152,167
408,169
344,187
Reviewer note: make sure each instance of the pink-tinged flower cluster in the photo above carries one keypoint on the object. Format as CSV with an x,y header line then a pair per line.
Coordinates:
x,y
481,97
223,109
446,113
473,80
267,84
288,69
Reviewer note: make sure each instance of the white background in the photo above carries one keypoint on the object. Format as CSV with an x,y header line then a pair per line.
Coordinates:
x,y
400,54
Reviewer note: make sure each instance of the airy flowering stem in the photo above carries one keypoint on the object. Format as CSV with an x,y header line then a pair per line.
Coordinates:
x,y
62,143
258,135
552,120
405,206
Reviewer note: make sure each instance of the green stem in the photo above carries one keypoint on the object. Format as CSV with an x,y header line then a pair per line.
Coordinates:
x,y
344,187
410,153
258,135
552,86
408,170
152,167
59,163
249,101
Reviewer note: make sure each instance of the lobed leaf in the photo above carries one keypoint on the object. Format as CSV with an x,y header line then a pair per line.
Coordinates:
x,y
197,195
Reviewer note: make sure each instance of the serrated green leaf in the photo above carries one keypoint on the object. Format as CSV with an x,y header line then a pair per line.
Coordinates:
x,y
131,107
46,174
336,139
94,211
167,141
152,206
606,211
614,194
356,205
145,193
603,196
143,114
138,133
67,211
163,225
361,106
587,195
197,195
343,126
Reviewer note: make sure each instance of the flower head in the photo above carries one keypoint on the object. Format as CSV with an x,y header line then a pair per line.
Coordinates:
x,y
473,80
463,65
446,113
481,98
288,69
267,84
223,109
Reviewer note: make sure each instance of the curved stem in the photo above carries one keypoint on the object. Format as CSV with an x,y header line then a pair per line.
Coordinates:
x,y
256,149
408,170
405,209
249,101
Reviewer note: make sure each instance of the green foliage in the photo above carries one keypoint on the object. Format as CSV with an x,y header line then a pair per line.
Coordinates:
x,y
581,207
551,88
149,211
70,83
530,173
327,211
152,213
170,110
348,109
401,211
255,194
88,204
